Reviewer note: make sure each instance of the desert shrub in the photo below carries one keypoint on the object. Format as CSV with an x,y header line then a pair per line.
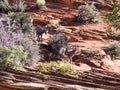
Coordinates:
x,y
54,66
40,4
88,13
11,36
11,57
113,50
57,42
22,21
16,6
33,51
53,25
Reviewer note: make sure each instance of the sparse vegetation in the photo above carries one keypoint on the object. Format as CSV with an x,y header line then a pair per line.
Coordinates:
x,y
88,13
54,66
40,4
16,6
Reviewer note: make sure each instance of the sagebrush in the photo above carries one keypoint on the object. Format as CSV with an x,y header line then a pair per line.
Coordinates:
x,y
88,13
23,21
9,34
16,6
12,36
33,51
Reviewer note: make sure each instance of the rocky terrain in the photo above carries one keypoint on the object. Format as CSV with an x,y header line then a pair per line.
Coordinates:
x,y
96,70
92,36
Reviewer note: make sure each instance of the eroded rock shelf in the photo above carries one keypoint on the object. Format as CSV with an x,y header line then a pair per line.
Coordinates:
x,y
32,81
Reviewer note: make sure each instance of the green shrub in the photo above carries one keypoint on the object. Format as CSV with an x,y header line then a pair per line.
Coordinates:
x,y
88,13
22,21
53,25
54,66
40,4
11,57
16,6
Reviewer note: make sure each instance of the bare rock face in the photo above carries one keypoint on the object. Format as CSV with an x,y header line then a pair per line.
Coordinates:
x,y
97,58
117,65
84,67
107,63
